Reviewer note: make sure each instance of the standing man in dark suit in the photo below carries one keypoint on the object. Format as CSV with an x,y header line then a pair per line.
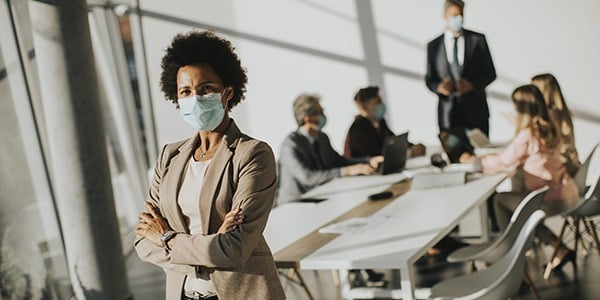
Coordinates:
x,y
459,67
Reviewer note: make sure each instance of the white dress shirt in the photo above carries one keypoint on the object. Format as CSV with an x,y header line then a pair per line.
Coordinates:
x,y
449,45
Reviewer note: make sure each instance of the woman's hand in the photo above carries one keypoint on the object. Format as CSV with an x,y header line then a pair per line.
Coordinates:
x,y
466,157
417,150
152,225
231,221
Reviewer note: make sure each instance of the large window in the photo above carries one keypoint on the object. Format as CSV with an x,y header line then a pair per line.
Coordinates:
x,y
33,264
32,260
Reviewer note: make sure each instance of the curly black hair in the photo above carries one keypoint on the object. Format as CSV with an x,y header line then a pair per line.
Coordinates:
x,y
203,47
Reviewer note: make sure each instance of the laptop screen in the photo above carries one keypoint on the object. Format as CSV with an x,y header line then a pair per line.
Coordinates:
x,y
455,142
395,149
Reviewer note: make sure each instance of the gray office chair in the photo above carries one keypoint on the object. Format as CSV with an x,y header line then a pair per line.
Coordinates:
x,y
501,280
582,212
492,251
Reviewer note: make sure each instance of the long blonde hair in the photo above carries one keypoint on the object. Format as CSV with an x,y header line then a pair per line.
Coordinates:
x,y
555,101
532,114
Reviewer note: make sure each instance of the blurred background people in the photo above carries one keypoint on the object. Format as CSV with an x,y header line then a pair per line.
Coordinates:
x,y
369,129
459,68
535,152
561,117
307,158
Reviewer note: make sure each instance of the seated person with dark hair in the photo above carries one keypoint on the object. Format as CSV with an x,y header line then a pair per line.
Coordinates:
x,y
365,138
369,129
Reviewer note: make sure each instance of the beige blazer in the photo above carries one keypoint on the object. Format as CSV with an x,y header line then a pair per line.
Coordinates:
x,y
240,264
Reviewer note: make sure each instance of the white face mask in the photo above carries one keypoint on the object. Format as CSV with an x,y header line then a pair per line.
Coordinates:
x,y
455,23
202,112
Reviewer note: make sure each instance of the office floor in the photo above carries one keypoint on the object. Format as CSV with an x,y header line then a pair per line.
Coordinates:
x,y
147,282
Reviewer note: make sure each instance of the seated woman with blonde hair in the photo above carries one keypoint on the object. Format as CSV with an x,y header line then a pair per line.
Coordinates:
x,y
535,153
561,117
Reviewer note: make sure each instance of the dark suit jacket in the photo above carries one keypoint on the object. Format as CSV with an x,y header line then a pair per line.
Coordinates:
x,y
301,168
469,110
242,174
363,139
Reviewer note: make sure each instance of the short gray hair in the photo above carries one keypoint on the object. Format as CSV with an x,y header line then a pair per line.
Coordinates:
x,y
305,105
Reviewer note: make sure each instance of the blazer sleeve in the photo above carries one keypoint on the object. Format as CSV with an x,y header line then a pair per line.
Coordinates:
x,y
292,160
339,160
255,194
147,251
432,78
487,72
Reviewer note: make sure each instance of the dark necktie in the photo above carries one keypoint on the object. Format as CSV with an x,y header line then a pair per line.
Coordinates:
x,y
454,66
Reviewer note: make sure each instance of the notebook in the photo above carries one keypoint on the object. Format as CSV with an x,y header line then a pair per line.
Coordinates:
x,y
395,150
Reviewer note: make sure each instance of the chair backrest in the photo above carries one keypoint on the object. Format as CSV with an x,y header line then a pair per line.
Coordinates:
x,y
589,206
581,176
508,271
531,203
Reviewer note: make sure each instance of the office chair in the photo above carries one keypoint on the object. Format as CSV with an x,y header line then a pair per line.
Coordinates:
x,y
582,212
502,279
490,252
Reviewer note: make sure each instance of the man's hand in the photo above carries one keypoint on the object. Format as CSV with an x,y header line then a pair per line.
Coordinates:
x,y
152,225
464,87
358,169
445,87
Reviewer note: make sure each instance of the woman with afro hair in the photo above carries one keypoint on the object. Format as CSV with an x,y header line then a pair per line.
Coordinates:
x,y
211,194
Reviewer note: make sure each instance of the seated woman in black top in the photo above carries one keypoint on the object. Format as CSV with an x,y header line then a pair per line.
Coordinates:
x,y
369,129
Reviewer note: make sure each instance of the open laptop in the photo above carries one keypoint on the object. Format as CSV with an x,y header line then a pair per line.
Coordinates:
x,y
395,149
455,142
479,140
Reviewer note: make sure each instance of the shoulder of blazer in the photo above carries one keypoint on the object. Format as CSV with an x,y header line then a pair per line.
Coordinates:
x,y
473,34
295,139
242,146
436,42
170,150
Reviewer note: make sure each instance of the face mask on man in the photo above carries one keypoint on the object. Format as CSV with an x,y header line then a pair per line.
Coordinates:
x,y
322,122
204,112
455,23
379,111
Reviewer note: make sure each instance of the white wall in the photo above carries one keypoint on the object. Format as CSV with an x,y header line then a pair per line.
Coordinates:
x,y
292,46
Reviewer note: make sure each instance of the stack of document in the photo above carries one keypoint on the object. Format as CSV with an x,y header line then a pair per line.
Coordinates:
x,y
353,225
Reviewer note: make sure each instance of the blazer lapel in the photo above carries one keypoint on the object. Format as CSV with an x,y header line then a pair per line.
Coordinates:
x,y
174,179
468,50
214,174
442,60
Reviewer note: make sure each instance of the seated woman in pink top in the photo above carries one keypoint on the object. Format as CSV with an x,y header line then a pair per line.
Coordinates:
x,y
535,153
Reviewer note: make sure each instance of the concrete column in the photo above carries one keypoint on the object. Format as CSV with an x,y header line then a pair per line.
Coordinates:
x,y
80,171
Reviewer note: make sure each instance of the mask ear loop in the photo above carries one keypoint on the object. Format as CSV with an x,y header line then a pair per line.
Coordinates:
x,y
226,95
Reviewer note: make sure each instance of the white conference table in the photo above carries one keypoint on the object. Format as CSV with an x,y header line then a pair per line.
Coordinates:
x,y
416,221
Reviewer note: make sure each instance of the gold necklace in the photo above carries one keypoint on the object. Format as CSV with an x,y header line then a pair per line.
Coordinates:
x,y
203,154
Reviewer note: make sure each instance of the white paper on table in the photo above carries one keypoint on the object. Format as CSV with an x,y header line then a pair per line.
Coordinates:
x,y
353,225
